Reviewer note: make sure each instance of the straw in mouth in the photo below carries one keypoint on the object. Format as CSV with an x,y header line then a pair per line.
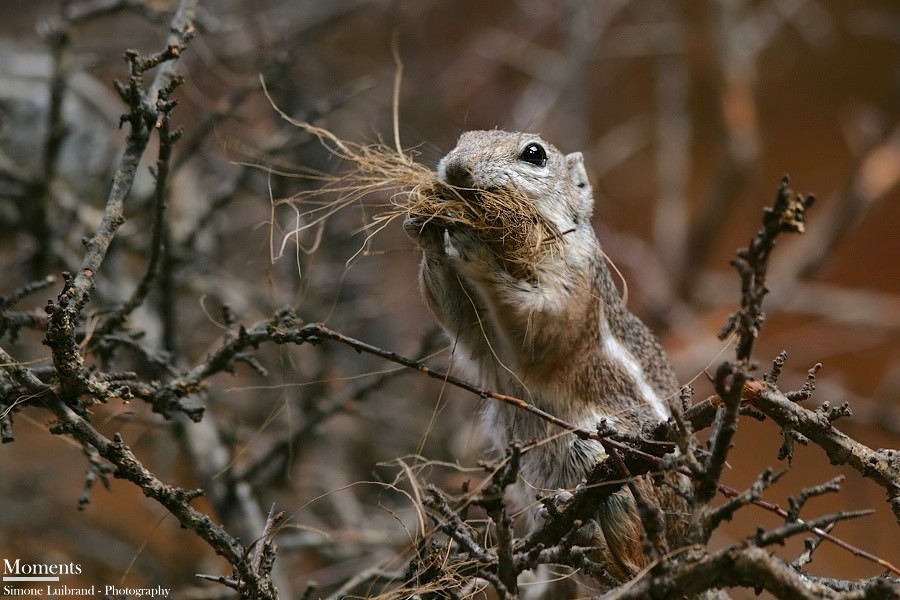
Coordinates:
x,y
508,222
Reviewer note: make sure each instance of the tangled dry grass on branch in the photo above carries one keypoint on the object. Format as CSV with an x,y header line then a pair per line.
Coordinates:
x,y
506,220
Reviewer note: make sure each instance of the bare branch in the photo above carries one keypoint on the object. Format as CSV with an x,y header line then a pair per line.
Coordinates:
x,y
882,466
788,215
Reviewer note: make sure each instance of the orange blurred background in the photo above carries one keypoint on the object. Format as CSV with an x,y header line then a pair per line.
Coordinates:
x,y
688,114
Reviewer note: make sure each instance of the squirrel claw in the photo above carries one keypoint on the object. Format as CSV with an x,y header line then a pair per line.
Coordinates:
x,y
562,496
449,248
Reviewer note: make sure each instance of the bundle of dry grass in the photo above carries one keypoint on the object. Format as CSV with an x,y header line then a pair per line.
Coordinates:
x,y
508,222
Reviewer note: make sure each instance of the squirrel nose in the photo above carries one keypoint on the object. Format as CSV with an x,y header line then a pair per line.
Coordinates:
x,y
455,173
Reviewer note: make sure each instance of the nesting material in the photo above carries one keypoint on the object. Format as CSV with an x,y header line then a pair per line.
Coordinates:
x,y
508,222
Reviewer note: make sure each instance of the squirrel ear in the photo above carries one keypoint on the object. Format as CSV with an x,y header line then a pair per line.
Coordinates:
x,y
579,179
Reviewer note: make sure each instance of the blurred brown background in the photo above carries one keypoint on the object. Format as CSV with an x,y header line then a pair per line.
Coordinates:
x,y
688,113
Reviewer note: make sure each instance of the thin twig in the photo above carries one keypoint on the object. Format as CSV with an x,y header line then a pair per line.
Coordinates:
x,y
61,331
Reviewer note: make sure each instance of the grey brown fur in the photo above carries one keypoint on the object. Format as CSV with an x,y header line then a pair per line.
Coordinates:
x,y
561,338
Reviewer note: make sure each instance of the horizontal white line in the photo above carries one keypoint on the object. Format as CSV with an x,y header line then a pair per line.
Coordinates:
x,y
30,578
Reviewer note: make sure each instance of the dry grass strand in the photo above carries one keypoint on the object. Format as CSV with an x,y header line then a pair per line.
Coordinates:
x,y
504,219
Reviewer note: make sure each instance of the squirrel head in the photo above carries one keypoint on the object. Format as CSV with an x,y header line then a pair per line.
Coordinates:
x,y
557,183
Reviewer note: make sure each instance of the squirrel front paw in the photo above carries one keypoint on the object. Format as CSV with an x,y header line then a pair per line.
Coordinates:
x,y
424,231
553,504
456,243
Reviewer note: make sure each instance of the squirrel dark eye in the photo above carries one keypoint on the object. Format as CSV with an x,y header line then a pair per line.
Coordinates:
x,y
534,154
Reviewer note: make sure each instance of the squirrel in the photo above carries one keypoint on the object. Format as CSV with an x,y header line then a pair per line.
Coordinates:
x,y
560,338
